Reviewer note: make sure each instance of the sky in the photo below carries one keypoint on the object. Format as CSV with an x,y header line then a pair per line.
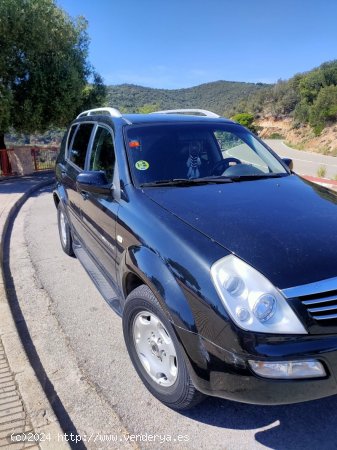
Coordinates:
x,y
181,43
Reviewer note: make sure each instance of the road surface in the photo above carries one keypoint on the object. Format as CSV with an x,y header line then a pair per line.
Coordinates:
x,y
80,344
305,163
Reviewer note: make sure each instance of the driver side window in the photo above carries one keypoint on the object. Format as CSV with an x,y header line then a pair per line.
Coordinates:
x,y
103,153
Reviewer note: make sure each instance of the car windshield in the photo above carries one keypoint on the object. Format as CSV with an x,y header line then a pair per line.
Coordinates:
x,y
172,153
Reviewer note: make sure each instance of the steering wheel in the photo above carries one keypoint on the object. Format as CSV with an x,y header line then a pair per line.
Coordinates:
x,y
220,166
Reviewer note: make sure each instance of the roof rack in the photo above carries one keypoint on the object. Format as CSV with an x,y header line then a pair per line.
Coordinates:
x,y
188,111
110,111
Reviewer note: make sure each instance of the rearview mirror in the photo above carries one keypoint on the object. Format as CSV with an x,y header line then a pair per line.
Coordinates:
x,y
289,162
94,182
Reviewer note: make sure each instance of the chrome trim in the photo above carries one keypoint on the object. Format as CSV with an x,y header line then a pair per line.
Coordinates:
x,y
328,317
332,298
323,308
312,288
188,111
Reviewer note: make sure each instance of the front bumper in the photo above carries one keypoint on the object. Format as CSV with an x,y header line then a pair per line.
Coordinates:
x,y
222,373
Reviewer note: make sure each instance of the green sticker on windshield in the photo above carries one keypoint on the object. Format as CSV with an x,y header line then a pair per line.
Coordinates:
x,y
142,165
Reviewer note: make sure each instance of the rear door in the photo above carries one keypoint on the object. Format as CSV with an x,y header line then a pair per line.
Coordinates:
x,y
78,144
99,212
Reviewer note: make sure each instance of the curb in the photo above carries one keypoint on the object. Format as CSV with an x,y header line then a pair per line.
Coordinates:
x,y
23,401
322,181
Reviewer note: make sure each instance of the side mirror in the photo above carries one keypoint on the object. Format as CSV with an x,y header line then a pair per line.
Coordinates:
x,y
289,162
94,182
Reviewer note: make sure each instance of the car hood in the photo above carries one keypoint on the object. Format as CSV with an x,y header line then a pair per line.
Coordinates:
x,y
284,227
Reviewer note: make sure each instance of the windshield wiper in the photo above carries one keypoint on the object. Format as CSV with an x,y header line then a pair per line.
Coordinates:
x,y
258,176
188,181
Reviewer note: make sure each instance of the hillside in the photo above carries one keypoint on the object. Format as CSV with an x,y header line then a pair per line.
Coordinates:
x,y
302,110
219,96
309,98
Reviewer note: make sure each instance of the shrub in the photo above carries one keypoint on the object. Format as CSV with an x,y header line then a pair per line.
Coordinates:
x,y
324,151
276,136
324,108
245,119
321,172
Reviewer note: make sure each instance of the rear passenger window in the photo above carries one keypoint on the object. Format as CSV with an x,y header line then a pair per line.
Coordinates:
x,y
71,135
78,150
103,153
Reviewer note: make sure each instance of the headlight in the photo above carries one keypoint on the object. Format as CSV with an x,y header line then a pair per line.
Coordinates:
x,y
251,300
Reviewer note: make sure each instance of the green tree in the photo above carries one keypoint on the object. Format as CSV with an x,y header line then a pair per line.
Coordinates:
x,y
148,108
310,85
44,72
324,109
94,94
246,120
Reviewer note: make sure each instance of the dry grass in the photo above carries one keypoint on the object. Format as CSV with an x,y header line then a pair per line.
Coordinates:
x,y
321,172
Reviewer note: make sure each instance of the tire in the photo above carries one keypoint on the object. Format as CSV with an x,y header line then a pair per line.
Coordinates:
x,y
155,351
64,231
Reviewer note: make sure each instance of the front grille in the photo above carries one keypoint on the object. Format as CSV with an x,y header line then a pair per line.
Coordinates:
x,y
321,306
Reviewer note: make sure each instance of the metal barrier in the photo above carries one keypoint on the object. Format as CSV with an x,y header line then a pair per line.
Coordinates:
x,y
44,158
5,165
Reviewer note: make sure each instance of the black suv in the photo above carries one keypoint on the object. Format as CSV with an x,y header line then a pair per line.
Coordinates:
x,y
221,261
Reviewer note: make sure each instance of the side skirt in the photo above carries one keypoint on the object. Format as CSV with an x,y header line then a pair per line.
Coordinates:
x,y
102,284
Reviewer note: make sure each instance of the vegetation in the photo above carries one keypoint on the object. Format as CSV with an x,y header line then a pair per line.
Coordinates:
x,y
246,120
44,72
220,97
276,136
46,79
310,98
148,108
321,171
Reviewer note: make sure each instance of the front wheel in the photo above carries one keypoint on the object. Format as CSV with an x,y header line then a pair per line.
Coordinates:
x,y
155,351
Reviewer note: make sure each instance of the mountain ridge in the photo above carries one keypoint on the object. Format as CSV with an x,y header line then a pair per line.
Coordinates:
x,y
219,96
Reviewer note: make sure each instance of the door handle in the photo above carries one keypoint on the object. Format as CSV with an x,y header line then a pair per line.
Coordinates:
x,y
85,195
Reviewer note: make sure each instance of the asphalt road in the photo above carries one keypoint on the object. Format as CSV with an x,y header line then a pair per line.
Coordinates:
x,y
79,341
305,163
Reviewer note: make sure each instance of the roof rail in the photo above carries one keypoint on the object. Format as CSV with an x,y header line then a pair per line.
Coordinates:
x,y
188,111
110,111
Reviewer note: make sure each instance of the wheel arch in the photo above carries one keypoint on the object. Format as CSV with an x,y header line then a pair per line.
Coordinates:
x,y
59,195
143,266
56,199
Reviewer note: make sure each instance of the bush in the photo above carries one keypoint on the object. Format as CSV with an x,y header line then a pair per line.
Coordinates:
x,y
324,108
318,129
276,136
246,120
321,172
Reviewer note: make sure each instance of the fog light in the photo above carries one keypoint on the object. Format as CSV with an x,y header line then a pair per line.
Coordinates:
x,y
288,369
243,314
